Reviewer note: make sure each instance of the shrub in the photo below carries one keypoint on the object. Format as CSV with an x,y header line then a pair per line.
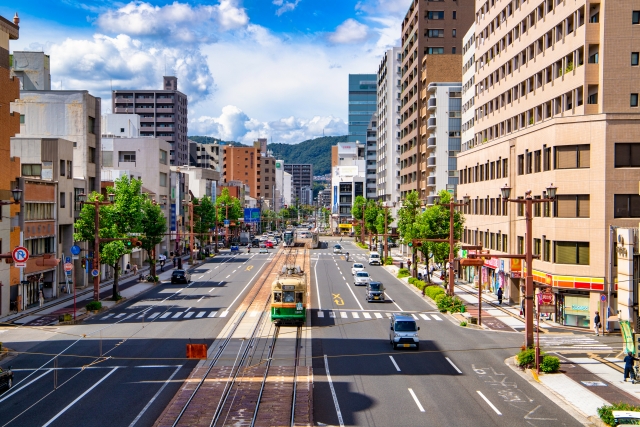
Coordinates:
x,y
388,261
526,358
419,284
443,302
457,306
606,412
94,305
550,364
412,280
362,245
433,291
463,323
118,297
403,272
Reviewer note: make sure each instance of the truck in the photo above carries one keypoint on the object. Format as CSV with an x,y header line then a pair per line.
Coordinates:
x,y
245,238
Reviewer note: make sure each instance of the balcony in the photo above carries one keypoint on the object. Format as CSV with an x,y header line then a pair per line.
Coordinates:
x,y
431,124
431,142
120,99
432,103
162,119
165,110
164,100
431,161
145,110
431,181
431,200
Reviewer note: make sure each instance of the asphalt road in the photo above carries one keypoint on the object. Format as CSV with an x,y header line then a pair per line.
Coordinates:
x,y
458,378
122,368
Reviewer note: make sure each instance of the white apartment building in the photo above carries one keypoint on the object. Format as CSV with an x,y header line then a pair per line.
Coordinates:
x,y
371,154
468,86
348,178
388,132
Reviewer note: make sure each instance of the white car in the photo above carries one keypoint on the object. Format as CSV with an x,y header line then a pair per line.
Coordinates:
x,y
362,278
356,267
337,249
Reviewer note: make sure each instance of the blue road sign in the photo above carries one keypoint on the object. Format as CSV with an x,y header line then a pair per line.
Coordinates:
x,y
67,259
95,272
75,250
226,222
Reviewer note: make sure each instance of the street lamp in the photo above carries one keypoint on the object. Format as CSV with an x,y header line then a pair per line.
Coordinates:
x,y
96,242
16,193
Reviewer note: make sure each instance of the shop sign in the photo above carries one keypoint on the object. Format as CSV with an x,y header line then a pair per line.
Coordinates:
x,y
516,268
492,263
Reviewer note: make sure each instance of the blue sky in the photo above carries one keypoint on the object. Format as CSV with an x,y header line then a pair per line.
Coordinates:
x,y
251,68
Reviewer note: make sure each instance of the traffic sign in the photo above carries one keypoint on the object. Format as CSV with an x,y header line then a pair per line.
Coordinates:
x,y
226,222
95,272
20,254
603,297
75,250
68,266
67,259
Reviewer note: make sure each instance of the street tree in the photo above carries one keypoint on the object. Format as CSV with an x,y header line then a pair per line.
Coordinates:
x,y
229,207
359,204
371,212
407,216
153,226
204,216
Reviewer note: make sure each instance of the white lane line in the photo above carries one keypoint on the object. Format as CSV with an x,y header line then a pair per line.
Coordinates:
x,y
202,313
211,289
332,314
424,316
414,316
14,391
366,315
189,314
394,363
164,316
320,313
315,272
355,315
435,316
489,403
393,300
216,267
224,313
333,391
212,314
78,398
227,276
415,398
120,315
378,315
155,396
453,364
248,283
343,315
178,314
200,298
354,297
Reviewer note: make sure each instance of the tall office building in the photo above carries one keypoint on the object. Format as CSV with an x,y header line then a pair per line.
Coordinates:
x,y
163,114
371,155
302,176
362,106
556,102
428,29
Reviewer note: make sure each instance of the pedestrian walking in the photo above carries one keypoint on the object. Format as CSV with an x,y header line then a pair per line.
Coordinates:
x,y
596,323
175,262
628,366
522,308
128,268
135,269
41,297
162,265
500,295
408,264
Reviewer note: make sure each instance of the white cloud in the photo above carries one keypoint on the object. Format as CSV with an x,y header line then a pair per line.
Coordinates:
x,y
350,31
125,62
234,125
285,6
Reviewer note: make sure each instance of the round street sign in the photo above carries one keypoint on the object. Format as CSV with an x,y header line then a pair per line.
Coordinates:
x,y
603,297
68,266
75,250
20,254
95,272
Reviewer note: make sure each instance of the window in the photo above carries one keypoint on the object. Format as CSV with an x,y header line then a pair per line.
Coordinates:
x,y
453,32
69,169
32,170
435,15
505,168
571,206
454,14
547,158
163,157
435,33
435,50
91,125
520,207
635,58
635,17
521,164
38,211
63,199
91,152
627,155
546,249
634,100
537,166
626,206
520,245
163,179
537,246
529,162
127,156
63,167
572,156
571,253
504,243
592,99
21,119
453,50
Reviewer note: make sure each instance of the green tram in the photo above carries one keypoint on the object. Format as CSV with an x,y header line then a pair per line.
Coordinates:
x,y
289,297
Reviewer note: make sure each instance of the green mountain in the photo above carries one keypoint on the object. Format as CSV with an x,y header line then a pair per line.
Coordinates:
x,y
316,151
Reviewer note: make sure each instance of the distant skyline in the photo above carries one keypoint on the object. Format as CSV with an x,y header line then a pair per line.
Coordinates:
x,y
275,69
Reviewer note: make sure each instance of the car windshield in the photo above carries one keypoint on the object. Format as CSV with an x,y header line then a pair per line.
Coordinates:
x,y
337,247
405,326
362,274
375,286
358,266
374,256
176,272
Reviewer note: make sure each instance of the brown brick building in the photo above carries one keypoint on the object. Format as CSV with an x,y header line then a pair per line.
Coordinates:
x,y
243,164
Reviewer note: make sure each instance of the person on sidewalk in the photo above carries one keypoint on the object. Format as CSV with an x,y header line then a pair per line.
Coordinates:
x,y
628,366
596,323
41,297
135,269
500,295
127,269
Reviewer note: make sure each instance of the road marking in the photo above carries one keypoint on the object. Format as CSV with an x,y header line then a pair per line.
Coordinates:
x,y
212,314
332,314
104,317
120,315
227,276
253,314
337,299
394,363
393,301
129,316
189,314
378,315
366,315
424,316
415,398
388,315
14,391
245,287
154,315
234,271
333,391
164,316
200,298
141,316
436,317
78,398
249,268
489,403
320,313
224,313
414,316
211,289
354,296
315,272
453,364
355,315
343,315
178,314
136,419
202,313
216,267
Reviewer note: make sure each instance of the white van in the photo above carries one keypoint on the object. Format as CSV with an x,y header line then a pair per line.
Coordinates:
x,y
374,258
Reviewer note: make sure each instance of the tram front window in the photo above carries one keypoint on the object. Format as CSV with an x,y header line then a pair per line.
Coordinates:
x,y
298,297
277,297
288,297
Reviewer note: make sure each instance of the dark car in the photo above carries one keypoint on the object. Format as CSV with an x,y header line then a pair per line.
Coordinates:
x,y
375,291
255,243
180,276
6,378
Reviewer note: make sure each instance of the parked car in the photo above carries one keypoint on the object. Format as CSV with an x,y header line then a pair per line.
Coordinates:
x,y
361,278
356,267
337,249
180,276
6,378
375,291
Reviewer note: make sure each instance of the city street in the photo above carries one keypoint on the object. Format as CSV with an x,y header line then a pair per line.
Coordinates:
x,y
60,378
457,378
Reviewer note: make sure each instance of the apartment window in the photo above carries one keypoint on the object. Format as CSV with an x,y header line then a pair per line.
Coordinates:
x,y
571,253
63,199
634,100
435,15
529,162
520,245
453,50
127,156
91,125
69,169
91,153
163,157
31,170
572,156
627,155
537,208
546,249
572,206
504,243
453,32
38,211
547,158
21,119
592,99
537,163
62,167
163,179
635,17
626,206
520,207
435,50
521,164
435,33
505,168
454,14
635,57
537,246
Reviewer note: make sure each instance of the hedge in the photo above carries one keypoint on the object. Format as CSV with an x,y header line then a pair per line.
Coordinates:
x,y
606,412
433,291
403,272
548,364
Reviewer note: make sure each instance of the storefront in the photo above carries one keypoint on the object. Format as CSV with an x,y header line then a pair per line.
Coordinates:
x,y
573,309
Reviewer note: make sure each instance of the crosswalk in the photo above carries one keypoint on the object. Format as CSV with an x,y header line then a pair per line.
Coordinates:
x,y
564,342
354,314
167,314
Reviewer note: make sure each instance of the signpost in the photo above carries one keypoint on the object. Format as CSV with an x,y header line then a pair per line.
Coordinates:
x,y
20,256
603,299
95,272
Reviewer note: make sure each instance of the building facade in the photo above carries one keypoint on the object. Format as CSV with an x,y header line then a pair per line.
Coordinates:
x,y
371,154
163,114
348,180
468,87
556,102
32,69
301,176
205,155
243,164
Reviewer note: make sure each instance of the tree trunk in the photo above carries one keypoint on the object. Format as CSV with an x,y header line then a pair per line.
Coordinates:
x,y
116,275
152,262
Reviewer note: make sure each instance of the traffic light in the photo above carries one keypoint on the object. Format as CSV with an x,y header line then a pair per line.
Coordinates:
x,y
83,262
133,242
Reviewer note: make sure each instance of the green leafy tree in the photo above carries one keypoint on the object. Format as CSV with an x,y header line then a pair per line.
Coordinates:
x,y
359,204
153,226
204,216
229,207
407,216
371,212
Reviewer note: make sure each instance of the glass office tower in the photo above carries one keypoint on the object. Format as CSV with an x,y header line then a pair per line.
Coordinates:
x,y
362,105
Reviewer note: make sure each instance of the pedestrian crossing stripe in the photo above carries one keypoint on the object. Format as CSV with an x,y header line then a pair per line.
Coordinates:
x,y
377,315
189,314
202,313
424,316
212,314
178,314
366,315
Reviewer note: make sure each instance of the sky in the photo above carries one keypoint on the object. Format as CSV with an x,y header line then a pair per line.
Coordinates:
x,y
275,69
